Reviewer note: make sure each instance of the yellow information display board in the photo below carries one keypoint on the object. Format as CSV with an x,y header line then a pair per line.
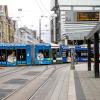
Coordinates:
x,y
87,16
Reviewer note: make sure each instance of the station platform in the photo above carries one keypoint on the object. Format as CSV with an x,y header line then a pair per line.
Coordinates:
x,y
87,87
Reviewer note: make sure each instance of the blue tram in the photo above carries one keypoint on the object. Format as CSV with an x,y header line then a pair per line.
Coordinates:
x,y
65,53
43,53
81,53
15,54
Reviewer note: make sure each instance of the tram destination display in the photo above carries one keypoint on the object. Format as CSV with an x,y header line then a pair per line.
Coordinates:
x,y
87,16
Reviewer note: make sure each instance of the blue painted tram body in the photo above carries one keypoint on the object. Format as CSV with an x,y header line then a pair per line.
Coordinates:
x,y
81,53
15,54
43,53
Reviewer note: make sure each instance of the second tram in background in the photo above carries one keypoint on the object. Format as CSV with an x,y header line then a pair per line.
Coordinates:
x,y
65,53
81,54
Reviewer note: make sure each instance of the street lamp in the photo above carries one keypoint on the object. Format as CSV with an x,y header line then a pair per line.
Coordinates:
x,y
54,25
40,27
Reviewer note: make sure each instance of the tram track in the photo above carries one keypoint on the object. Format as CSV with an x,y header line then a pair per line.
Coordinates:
x,y
30,98
6,98
3,74
14,93
45,82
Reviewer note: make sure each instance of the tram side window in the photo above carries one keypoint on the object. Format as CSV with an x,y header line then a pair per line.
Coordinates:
x,y
57,52
81,53
0,56
3,55
18,54
46,53
23,54
84,54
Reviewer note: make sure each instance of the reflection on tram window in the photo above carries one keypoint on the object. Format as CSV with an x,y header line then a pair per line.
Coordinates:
x,y
46,53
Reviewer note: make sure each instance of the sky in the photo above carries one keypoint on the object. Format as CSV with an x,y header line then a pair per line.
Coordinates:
x,y
32,10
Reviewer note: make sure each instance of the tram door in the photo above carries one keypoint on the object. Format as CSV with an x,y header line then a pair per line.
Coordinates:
x,y
3,57
21,56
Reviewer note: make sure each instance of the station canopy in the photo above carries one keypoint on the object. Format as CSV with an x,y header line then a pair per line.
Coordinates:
x,y
77,30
